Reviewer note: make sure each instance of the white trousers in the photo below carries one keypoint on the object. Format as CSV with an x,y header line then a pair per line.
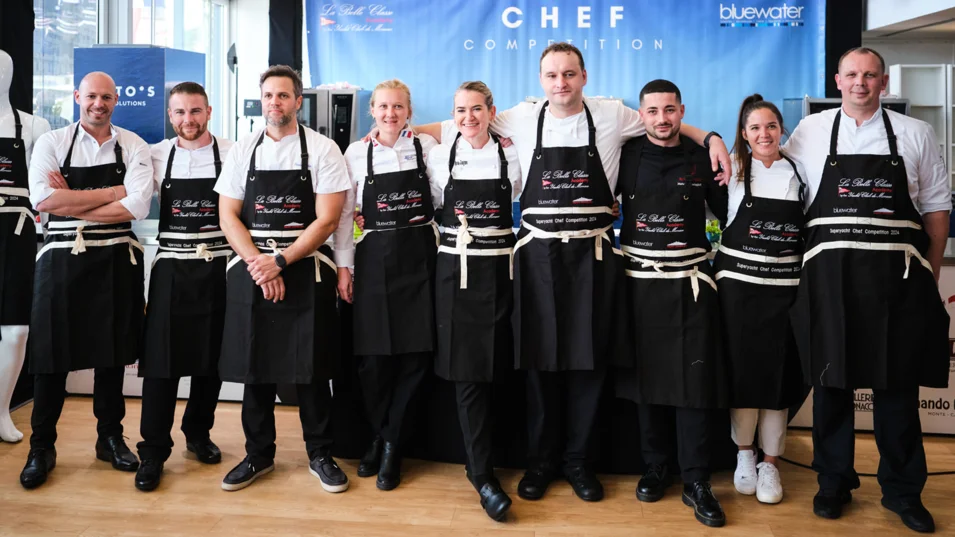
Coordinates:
x,y
772,428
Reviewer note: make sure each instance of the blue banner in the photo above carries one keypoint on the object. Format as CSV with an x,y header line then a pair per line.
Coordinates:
x,y
143,75
717,52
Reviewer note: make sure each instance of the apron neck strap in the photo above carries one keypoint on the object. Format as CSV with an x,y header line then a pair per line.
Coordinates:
x,y
890,134
591,131
370,174
454,152
802,184
834,136
69,153
18,127
418,156
304,147
172,155
215,155
500,154
638,145
254,149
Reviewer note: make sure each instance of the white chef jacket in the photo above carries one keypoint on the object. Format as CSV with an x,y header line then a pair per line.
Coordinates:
x,y
615,124
929,184
188,163
470,163
50,152
385,159
325,162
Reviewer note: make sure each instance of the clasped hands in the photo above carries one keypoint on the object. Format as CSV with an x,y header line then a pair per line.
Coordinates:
x,y
266,274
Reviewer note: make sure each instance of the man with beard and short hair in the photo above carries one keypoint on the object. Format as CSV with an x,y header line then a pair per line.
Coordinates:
x,y
673,315
92,178
284,192
186,305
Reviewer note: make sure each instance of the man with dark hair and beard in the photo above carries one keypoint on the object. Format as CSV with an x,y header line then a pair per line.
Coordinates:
x,y
285,192
186,305
673,329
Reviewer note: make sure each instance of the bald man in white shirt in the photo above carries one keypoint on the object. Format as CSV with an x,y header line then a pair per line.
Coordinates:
x,y
92,178
868,312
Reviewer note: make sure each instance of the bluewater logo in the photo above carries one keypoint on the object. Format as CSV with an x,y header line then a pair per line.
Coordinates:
x,y
743,16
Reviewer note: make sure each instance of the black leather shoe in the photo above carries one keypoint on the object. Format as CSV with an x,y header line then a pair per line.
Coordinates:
x,y
113,450
39,464
535,482
706,507
585,483
371,460
653,484
245,473
149,475
204,451
389,474
829,505
494,500
915,516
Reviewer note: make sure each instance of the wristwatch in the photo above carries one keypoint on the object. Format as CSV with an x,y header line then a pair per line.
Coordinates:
x,y
280,261
706,141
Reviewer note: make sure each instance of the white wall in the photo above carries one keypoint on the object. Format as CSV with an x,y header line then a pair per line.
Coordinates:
x,y
909,52
250,29
881,13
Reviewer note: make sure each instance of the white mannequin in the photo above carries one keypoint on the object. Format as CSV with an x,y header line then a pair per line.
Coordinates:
x,y
13,339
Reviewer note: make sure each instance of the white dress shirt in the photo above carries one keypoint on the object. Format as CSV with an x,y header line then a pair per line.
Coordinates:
x,y
615,124
775,182
929,184
483,163
189,163
325,162
385,159
50,152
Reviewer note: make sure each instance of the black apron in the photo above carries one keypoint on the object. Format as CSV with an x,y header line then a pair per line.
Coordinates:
x,y
294,341
88,294
187,287
673,311
17,233
868,312
757,274
394,263
473,289
566,270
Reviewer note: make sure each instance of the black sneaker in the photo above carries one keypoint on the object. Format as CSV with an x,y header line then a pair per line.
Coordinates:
x,y
244,475
327,471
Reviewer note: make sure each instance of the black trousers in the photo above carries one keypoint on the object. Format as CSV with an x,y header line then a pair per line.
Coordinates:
x,y
389,385
258,420
159,414
477,424
561,411
692,435
898,435
49,392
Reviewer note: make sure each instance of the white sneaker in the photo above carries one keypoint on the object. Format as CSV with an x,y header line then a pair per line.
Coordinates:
x,y
769,487
745,476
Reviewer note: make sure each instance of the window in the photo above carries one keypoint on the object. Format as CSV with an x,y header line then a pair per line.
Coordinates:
x,y
61,25
197,26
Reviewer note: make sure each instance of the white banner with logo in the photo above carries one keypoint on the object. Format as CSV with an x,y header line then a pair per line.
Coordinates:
x,y
937,405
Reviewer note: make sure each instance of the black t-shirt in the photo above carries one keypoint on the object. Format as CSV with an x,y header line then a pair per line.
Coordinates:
x,y
658,162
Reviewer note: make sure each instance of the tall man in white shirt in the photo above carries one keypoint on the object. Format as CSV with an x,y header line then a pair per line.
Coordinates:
x,y
92,178
566,271
868,312
186,307
283,191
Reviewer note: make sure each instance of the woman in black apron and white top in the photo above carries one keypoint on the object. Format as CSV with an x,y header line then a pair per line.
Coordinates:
x,y
474,181
394,274
757,274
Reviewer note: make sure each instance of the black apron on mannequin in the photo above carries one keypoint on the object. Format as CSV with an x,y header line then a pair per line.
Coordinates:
x,y
187,287
17,232
395,262
673,308
757,274
88,295
868,312
296,340
565,268
473,288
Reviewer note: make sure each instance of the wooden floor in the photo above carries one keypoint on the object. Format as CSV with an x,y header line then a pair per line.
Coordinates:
x,y
87,497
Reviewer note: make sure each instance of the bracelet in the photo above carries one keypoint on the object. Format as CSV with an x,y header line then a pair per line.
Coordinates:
x,y
706,141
